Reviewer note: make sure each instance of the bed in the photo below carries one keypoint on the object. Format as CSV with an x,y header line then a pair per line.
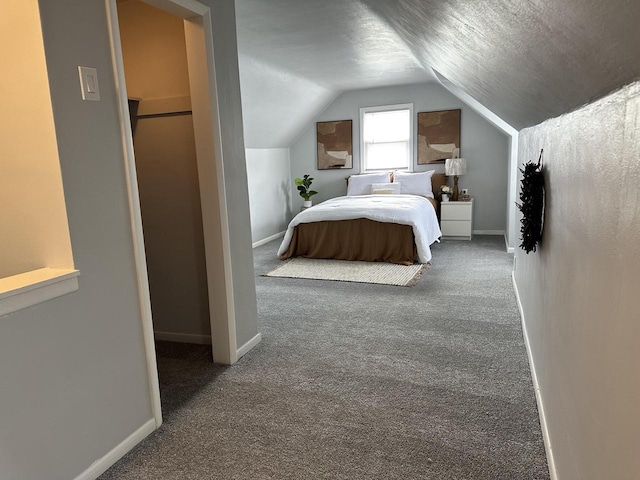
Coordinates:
x,y
368,226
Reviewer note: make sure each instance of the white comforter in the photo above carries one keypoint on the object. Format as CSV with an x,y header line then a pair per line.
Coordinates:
x,y
403,209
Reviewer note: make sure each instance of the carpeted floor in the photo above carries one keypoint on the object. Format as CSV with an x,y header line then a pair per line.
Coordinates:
x,y
359,381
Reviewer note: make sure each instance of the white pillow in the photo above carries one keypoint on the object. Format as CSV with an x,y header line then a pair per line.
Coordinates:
x,y
388,188
415,183
361,184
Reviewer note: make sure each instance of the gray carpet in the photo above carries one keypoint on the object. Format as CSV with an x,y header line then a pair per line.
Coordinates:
x,y
359,381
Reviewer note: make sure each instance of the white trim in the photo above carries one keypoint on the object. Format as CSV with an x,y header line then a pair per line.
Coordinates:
x,y
34,287
512,191
506,243
247,347
133,198
211,177
476,105
268,239
488,232
412,127
103,464
180,8
195,338
536,386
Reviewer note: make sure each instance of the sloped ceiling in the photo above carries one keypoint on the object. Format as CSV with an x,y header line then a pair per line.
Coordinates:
x,y
296,56
525,61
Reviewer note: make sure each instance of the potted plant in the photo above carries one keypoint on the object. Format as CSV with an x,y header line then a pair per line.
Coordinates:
x,y
304,184
445,193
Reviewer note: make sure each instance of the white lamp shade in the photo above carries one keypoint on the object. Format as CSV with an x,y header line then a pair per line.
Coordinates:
x,y
455,166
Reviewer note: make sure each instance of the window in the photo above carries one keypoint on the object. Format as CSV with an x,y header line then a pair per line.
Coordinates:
x,y
386,137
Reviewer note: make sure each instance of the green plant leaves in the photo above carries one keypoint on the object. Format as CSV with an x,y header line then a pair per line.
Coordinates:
x,y
303,184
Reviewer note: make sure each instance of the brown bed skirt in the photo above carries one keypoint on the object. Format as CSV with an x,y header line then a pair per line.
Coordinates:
x,y
359,239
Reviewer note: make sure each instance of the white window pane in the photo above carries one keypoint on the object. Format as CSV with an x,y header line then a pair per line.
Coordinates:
x,y
390,126
387,155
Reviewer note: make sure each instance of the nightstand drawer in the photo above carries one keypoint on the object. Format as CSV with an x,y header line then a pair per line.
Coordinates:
x,y
455,228
455,211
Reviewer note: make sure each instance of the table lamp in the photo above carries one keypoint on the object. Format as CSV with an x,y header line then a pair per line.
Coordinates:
x,y
455,167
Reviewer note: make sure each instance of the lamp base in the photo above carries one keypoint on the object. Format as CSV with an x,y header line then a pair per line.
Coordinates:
x,y
454,196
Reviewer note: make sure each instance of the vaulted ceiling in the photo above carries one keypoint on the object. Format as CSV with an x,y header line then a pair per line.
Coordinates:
x,y
524,60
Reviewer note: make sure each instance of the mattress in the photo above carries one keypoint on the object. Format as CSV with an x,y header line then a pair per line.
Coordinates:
x,y
392,228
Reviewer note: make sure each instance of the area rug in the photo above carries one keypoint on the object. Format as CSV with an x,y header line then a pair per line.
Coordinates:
x,y
349,271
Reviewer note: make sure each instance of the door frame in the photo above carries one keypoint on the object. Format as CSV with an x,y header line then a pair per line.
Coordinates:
x,y
200,57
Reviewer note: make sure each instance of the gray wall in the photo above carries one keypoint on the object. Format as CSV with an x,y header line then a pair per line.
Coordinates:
x,y
172,221
485,147
73,370
73,375
275,103
579,292
268,172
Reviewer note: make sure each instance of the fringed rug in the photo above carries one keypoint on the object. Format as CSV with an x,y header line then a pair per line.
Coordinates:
x,y
350,271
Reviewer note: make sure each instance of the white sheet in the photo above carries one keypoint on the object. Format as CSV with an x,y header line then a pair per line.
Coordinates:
x,y
403,209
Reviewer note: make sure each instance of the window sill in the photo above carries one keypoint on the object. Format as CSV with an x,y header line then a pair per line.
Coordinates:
x,y
34,287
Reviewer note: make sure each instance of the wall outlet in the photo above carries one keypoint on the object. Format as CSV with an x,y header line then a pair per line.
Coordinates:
x,y
465,191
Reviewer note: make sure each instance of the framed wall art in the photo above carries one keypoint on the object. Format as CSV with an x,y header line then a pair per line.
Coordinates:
x,y
438,136
335,144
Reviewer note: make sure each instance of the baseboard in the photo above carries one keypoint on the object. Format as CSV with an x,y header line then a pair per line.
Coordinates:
x,y
268,239
488,232
246,348
100,466
183,337
506,242
536,386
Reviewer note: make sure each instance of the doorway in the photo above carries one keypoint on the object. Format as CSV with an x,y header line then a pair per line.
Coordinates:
x,y
214,223
157,81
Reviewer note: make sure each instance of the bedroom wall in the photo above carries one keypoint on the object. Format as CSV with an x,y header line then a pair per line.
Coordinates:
x,y
579,292
484,146
268,176
155,61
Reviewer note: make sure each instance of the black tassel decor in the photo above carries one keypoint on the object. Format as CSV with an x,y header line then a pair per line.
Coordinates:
x,y
532,206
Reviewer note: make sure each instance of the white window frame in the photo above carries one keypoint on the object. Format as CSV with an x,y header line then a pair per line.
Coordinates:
x,y
387,108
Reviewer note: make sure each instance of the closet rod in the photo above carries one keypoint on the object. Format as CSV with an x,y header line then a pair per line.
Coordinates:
x,y
165,114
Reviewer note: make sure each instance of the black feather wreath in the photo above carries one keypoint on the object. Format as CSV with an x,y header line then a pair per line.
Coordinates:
x,y
532,206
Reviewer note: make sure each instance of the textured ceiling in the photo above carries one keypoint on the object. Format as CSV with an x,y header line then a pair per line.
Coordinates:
x,y
524,60
338,44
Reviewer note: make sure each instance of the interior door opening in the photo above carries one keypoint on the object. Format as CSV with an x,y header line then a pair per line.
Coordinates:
x,y
157,83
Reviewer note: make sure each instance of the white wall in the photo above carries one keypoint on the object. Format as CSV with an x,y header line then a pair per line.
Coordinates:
x,y
268,172
579,292
485,147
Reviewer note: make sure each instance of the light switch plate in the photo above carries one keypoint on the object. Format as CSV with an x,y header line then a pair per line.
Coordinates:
x,y
89,83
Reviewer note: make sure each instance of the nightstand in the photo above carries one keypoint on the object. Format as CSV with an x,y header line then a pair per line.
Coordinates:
x,y
456,219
